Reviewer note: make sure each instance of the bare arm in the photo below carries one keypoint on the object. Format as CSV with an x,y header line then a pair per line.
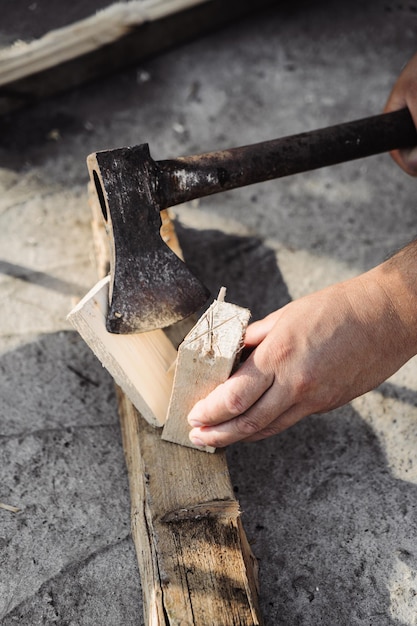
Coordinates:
x,y
315,354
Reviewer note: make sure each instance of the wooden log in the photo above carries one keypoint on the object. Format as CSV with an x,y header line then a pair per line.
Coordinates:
x,y
205,359
118,36
195,562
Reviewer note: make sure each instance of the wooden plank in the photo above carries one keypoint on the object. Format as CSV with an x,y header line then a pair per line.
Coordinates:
x,y
79,39
141,364
205,359
195,563
115,37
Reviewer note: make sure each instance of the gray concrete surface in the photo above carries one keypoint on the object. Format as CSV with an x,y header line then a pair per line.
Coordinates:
x,y
330,506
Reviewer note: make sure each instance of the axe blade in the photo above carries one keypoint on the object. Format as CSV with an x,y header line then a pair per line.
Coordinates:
x,y
150,286
153,291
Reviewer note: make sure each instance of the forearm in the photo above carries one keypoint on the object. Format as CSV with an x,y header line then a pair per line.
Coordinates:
x,y
398,278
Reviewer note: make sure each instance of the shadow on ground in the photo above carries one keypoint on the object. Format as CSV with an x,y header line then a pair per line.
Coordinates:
x,y
332,528
244,265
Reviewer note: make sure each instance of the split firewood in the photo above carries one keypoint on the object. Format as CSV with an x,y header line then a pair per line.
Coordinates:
x,y
139,363
205,359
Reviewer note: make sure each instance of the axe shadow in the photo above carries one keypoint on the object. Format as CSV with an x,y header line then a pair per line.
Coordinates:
x,y
243,264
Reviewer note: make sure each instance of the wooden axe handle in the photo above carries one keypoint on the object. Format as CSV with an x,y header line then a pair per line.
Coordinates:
x,y
186,178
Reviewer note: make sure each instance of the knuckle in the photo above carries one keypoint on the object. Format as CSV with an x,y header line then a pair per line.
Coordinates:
x,y
247,425
234,403
309,390
304,384
277,426
217,439
271,431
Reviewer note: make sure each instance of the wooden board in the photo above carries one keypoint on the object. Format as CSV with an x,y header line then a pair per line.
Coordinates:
x,y
205,359
195,562
115,37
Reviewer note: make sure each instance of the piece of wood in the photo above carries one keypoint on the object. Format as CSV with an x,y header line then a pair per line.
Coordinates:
x,y
141,364
115,37
195,562
205,359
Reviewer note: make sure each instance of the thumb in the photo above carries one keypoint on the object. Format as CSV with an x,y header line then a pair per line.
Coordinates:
x,y
257,331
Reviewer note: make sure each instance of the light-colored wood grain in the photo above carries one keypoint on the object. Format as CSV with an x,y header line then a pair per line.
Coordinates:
x,y
205,359
141,364
101,29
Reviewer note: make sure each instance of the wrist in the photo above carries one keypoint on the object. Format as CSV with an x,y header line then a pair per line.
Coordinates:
x,y
396,279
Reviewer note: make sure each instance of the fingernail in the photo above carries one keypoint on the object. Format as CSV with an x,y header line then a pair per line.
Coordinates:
x,y
197,442
194,423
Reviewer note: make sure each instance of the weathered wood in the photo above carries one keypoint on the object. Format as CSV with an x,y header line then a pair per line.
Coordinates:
x,y
205,359
118,36
195,563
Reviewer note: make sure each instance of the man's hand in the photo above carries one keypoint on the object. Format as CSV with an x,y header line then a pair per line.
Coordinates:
x,y
315,354
404,94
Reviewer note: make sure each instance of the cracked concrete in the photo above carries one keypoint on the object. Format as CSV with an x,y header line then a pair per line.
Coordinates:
x,y
330,506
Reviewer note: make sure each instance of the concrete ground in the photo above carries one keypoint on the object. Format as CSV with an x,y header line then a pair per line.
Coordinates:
x,y
330,506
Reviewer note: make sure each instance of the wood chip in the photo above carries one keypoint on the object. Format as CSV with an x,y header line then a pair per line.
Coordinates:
x,y
8,507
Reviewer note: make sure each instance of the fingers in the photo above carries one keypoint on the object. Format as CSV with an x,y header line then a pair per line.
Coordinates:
x,y
233,397
253,425
404,91
287,419
407,160
239,409
257,331
404,94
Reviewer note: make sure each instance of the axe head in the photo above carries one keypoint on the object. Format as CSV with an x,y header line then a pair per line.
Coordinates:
x,y
150,286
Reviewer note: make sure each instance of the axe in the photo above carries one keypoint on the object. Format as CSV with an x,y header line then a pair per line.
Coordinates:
x,y
150,287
